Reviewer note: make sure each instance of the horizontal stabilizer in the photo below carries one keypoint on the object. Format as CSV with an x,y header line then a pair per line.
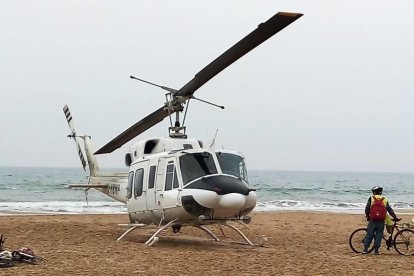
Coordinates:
x,y
120,175
86,186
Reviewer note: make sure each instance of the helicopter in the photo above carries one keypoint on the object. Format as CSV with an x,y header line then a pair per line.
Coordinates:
x,y
178,181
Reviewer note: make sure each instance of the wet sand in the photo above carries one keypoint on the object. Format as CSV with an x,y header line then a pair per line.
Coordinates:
x,y
299,243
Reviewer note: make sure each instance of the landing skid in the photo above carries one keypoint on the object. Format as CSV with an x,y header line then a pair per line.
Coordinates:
x,y
132,226
154,238
239,232
211,234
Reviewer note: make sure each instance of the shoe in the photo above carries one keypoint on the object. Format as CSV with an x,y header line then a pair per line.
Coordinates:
x,y
365,251
377,253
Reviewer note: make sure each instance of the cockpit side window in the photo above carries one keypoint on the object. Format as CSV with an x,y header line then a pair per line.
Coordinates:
x,y
175,182
151,181
139,181
196,165
129,186
171,180
232,164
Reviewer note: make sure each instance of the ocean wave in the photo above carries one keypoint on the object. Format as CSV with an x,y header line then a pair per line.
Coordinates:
x,y
401,205
294,205
113,207
61,207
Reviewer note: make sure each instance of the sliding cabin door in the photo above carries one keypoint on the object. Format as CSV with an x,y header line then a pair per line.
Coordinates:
x,y
151,187
138,178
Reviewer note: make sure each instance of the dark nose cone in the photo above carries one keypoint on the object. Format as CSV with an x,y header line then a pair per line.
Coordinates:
x,y
192,206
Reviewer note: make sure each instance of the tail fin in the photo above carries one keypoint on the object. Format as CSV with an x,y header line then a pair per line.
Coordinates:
x,y
92,164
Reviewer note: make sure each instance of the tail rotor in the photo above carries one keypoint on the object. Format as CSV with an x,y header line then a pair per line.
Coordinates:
x,y
73,135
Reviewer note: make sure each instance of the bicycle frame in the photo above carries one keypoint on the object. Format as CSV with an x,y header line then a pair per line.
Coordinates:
x,y
390,240
401,238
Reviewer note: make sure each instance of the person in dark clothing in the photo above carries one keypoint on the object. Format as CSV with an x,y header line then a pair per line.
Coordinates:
x,y
375,228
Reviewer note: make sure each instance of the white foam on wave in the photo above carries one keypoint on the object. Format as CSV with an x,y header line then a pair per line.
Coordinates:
x,y
114,207
293,205
64,207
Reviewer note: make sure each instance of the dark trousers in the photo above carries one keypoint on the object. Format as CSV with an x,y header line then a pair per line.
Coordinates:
x,y
375,230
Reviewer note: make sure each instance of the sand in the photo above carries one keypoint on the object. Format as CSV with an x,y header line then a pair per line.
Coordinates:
x,y
299,243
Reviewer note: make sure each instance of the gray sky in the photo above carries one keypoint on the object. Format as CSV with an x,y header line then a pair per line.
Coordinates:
x,y
333,91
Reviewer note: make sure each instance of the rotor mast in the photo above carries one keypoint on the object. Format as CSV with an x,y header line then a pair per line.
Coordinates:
x,y
174,105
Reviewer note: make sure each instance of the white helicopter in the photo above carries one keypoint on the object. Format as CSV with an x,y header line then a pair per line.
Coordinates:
x,y
176,181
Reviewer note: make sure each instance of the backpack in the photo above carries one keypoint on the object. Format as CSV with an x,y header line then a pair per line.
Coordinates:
x,y
378,211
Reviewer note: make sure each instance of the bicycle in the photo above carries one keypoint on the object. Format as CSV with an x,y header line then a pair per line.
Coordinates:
x,y
402,241
27,258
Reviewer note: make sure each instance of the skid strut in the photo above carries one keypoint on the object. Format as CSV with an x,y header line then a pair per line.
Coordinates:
x,y
154,237
211,234
132,226
239,232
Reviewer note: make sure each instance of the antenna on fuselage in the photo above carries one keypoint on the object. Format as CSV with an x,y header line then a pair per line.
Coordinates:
x,y
213,142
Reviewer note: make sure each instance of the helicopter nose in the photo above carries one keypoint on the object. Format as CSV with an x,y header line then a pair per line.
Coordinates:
x,y
220,184
232,201
222,195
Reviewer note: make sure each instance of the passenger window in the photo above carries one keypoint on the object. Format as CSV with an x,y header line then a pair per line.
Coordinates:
x,y
169,177
129,186
151,181
175,183
171,180
139,180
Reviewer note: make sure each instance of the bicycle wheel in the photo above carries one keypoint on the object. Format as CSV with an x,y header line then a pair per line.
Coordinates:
x,y
356,240
37,260
5,263
404,242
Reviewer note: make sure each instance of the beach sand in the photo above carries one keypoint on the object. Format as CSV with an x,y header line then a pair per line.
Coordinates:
x,y
299,243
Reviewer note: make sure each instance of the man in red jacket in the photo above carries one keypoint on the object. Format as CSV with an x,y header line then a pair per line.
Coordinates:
x,y
376,211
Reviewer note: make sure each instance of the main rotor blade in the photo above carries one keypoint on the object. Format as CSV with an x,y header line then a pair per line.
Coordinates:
x,y
149,121
264,31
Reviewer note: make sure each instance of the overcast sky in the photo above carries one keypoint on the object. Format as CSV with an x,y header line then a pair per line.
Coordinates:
x,y
332,91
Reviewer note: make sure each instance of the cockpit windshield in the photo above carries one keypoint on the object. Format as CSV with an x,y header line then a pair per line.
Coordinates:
x,y
196,165
232,164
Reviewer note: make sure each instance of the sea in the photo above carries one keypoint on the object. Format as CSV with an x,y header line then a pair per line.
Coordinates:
x,y
45,191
